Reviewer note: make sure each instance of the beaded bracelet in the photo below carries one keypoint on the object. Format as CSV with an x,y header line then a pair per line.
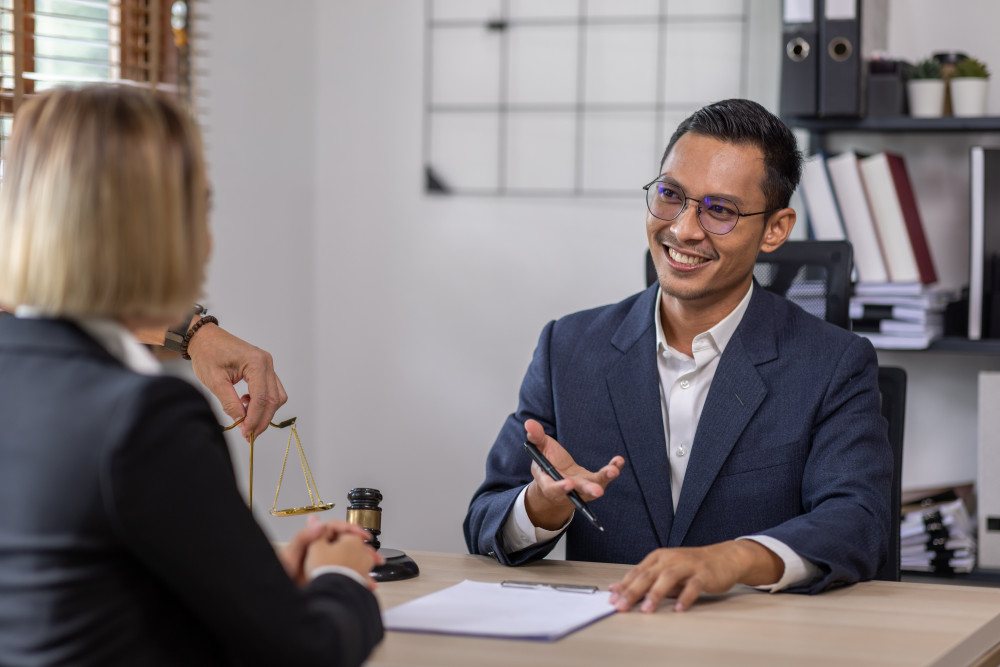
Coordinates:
x,y
190,332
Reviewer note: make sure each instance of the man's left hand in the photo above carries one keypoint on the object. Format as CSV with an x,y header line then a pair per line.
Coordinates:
x,y
687,572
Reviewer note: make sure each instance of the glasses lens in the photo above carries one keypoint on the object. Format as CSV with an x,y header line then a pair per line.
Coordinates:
x,y
718,215
665,200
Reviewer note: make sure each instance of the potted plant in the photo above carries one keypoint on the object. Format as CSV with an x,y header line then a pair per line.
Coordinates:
x,y
968,88
925,89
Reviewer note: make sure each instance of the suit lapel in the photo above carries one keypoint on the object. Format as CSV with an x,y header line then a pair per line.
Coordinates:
x,y
736,393
634,387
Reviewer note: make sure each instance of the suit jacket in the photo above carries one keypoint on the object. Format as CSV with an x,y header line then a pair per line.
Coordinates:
x,y
791,442
124,539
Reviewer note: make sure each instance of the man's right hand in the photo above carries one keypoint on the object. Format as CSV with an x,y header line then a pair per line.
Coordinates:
x,y
545,500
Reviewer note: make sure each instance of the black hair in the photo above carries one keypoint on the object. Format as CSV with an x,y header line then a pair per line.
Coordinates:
x,y
741,121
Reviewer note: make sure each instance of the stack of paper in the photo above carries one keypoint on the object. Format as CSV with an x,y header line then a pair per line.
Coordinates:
x,y
938,536
899,316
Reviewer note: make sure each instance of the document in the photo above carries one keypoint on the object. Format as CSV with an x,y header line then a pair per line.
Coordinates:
x,y
518,611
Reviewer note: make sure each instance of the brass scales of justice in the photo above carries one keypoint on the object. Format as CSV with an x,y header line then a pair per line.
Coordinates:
x,y
363,511
316,503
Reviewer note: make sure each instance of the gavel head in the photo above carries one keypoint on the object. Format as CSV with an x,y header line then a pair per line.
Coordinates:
x,y
365,512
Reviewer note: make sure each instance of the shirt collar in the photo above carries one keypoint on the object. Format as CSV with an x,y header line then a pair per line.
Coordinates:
x,y
112,336
718,336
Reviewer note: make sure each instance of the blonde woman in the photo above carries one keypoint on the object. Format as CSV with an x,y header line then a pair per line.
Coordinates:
x,y
124,539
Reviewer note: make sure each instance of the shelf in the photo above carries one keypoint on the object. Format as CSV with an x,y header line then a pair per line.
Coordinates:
x,y
978,577
897,124
988,346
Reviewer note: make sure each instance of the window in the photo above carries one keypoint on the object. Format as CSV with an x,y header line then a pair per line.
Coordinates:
x,y
48,43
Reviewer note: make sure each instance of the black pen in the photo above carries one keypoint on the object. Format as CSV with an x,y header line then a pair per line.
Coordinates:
x,y
573,496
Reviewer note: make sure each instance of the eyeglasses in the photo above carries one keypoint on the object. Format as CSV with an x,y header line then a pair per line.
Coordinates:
x,y
716,215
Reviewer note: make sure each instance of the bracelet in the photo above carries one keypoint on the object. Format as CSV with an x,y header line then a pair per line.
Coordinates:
x,y
194,328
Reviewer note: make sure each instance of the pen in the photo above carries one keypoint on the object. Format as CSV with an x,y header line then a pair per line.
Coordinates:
x,y
573,496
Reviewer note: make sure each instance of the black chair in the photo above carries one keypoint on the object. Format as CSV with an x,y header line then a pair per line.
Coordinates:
x,y
892,386
817,276
814,274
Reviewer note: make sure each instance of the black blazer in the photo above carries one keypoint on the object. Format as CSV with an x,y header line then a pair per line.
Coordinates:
x,y
123,537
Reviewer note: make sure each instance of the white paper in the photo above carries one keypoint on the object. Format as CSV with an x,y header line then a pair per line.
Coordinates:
x,y
491,610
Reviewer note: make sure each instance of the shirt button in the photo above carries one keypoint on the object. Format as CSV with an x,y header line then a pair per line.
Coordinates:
x,y
680,451
685,384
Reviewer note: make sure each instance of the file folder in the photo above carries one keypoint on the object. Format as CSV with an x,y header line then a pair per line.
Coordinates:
x,y
849,30
799,69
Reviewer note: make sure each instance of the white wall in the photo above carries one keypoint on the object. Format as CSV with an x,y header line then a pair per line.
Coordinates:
x,y
402,323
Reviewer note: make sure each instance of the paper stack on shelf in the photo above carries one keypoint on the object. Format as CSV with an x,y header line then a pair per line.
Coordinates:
x,y
937,533
899,316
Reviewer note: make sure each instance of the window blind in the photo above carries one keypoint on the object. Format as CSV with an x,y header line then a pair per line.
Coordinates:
x,y
49,43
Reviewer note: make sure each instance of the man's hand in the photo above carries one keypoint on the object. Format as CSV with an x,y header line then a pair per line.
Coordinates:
x,y
220,360
686,572
546,501
293,554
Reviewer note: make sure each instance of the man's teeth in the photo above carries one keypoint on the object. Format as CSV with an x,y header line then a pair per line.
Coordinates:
x,y
685,259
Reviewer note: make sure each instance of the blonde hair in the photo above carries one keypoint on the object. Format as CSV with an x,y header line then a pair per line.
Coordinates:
x,y
103,206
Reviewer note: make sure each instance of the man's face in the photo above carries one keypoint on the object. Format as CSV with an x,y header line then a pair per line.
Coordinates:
x,y
694,266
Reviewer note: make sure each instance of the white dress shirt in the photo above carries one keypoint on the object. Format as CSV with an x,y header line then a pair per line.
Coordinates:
x,y
684,384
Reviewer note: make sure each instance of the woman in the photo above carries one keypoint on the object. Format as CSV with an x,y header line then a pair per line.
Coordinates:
x,y
124,539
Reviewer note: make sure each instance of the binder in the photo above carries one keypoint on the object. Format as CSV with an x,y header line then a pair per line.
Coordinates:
x,y
849,30
821,203
799,68
894,210
988,470
845,175
984,236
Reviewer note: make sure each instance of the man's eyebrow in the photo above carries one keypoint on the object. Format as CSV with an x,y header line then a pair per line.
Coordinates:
x,y
739,201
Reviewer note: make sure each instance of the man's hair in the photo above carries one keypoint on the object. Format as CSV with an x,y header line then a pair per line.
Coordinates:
x,y
740,121
103,206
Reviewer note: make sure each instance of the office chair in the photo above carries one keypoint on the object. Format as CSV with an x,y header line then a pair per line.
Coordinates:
x,y
814,274
892,386
817,276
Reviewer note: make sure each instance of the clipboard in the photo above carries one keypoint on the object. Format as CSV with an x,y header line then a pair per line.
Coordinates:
x,y
508,610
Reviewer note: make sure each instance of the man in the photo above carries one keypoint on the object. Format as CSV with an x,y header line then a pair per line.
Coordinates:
x,y
703,409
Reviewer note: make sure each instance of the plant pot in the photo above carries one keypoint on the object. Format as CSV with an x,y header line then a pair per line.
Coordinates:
x,y
926,97
968,95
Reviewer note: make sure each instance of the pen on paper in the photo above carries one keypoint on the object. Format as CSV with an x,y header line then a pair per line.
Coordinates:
x,y
573,496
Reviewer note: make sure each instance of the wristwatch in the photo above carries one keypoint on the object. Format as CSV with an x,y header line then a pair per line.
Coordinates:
x,y
174,339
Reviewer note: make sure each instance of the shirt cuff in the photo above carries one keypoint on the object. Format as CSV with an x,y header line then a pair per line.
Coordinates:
x,y
338,569
518,531
798,570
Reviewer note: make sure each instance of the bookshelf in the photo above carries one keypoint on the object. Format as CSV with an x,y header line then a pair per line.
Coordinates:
x,y
818,128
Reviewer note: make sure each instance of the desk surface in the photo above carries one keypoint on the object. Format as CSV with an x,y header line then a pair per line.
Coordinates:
x,y
872,623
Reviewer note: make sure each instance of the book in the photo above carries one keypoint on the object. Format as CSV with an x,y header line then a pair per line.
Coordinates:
x,y
984,241
899,327
894,210
899,341
821,203
868,288
936,302
876,311
852,200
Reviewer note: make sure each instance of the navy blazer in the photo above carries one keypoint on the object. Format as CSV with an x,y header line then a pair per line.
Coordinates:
x,y
124,539
791,442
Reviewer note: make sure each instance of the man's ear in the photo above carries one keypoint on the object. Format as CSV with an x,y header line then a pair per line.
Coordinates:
x,y
779,226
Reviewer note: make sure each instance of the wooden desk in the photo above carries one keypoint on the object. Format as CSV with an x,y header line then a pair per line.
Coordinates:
x,y
872,623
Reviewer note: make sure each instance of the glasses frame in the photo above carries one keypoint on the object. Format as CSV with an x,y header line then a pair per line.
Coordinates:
x,y
700,202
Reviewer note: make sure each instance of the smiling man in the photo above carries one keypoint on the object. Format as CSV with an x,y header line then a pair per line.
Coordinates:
x,y
725,435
